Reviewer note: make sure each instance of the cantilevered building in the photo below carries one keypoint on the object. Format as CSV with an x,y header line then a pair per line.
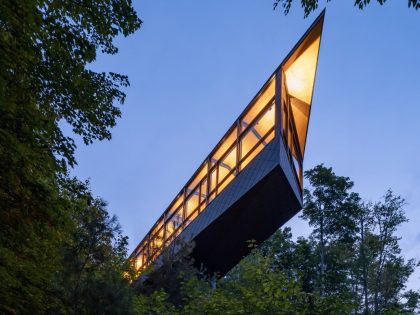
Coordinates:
x,y
251,182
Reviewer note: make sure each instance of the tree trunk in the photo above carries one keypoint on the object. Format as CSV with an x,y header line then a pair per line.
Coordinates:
x,y
364,264
322,253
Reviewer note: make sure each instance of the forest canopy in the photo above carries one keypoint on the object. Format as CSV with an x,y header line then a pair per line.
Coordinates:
x,y
62,252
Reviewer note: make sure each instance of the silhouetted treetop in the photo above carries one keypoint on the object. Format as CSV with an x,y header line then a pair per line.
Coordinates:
x,y
311,5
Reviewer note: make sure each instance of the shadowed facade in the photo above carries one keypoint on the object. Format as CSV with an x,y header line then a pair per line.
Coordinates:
x,y
251,182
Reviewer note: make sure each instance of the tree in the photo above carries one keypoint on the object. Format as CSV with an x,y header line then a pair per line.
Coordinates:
x,y
360,258
174,268
363,258
387,268
311,5
93,258
45,48
332,209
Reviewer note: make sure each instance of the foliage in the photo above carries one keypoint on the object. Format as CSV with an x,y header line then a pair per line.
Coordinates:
x,y
155,303
46,46
350,264
62,253
359,254
310,6
169,273
332,210
253,287
45,82
93,257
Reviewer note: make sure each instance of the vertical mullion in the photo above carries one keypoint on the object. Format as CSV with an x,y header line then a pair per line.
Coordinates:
x,y
148,248
164,232
184,207
208,181
199,196
217,179
238,136
278,101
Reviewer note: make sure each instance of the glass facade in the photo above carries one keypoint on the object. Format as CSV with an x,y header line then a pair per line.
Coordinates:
x,y
245,139
293,83
298,77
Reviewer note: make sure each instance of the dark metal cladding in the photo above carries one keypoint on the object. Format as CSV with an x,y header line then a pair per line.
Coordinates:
x,y
253,207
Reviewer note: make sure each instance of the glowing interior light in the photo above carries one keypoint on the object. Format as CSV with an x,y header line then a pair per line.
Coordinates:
x,y
139,262
300,75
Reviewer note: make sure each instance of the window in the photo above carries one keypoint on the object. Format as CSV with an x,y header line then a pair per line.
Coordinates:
x,y
252,151
227,164
192,202
203,191
139,260
262,100
178,201
266,122
213,180
298,76
257,136
174,223
156,242
158,226
249,141
202,173
225,145
226,180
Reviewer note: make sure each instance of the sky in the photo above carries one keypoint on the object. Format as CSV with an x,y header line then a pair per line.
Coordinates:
x,y
194,65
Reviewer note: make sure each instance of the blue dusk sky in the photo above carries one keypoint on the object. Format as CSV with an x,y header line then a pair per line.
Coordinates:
x,y
194,66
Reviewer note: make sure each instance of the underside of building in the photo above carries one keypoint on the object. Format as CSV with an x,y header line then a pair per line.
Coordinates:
x,y
251,182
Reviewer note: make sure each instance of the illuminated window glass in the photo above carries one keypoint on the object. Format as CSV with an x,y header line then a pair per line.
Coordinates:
x,y
226,181
174,222
192,216
200,175
300,111
300,74
297,166
249,141
298,82
204,190
203,205
192,203
229,161
156,243
158,237
158,227
227,164
266,122
223,172
213,180
139,261
262,100
252,155
212,196
179,200
226,143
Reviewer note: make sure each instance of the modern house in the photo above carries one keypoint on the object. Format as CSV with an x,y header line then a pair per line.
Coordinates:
x,y
251,182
